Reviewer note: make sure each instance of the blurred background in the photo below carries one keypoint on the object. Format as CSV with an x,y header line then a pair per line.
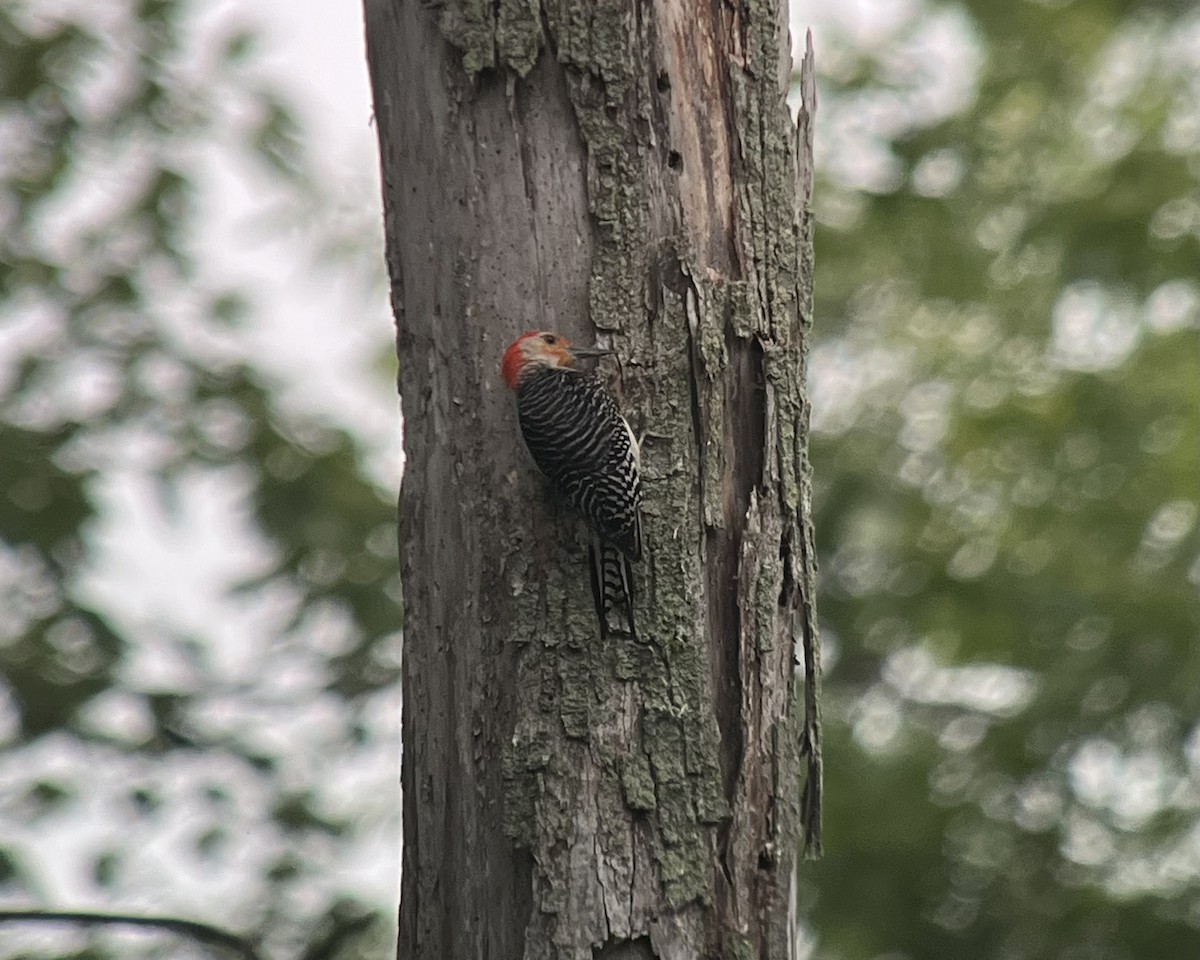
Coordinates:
x,y
199,452
1006,389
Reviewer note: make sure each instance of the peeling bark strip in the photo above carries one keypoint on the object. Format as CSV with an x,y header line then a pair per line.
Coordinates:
x,y
627,166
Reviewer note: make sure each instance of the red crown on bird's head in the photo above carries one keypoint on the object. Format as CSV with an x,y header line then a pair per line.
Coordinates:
x,y
537,348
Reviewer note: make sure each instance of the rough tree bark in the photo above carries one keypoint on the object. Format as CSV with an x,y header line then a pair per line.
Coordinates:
x,y
624,169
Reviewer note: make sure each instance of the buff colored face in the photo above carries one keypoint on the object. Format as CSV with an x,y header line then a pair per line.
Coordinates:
x,y
531,350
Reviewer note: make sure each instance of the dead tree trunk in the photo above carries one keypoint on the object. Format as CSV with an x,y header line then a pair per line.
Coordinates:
x,y
624,169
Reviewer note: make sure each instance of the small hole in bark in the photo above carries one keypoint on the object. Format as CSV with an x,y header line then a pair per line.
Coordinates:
x,y
674,160
664,82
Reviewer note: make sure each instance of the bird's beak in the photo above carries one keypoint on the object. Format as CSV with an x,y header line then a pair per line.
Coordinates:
x,y
590,353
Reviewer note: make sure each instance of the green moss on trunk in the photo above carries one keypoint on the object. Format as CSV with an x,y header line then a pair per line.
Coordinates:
x,y
655,784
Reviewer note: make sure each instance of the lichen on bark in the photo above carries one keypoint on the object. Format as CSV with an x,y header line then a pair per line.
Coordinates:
x,y
653,783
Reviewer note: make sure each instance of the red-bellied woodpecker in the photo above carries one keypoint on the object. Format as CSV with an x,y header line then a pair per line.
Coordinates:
x,y
578,438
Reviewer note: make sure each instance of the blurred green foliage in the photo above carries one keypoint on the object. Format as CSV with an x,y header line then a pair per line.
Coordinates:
x,y
1006,450
1006,385
146,767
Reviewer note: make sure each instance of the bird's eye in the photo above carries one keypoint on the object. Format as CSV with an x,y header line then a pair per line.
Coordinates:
x,y
549,338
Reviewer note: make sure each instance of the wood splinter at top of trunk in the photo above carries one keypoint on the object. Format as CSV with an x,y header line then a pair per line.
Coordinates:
x,y
629,171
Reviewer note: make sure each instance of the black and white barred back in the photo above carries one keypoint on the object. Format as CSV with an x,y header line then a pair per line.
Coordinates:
x,y
578,438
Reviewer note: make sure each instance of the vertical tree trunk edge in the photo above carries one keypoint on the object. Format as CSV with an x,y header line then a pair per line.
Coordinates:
x,y
810,637
547,165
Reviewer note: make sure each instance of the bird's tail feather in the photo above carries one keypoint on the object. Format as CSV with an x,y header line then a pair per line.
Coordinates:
x,y
612,587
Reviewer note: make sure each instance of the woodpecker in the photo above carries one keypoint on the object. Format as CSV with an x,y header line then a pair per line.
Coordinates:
x,y
579,440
